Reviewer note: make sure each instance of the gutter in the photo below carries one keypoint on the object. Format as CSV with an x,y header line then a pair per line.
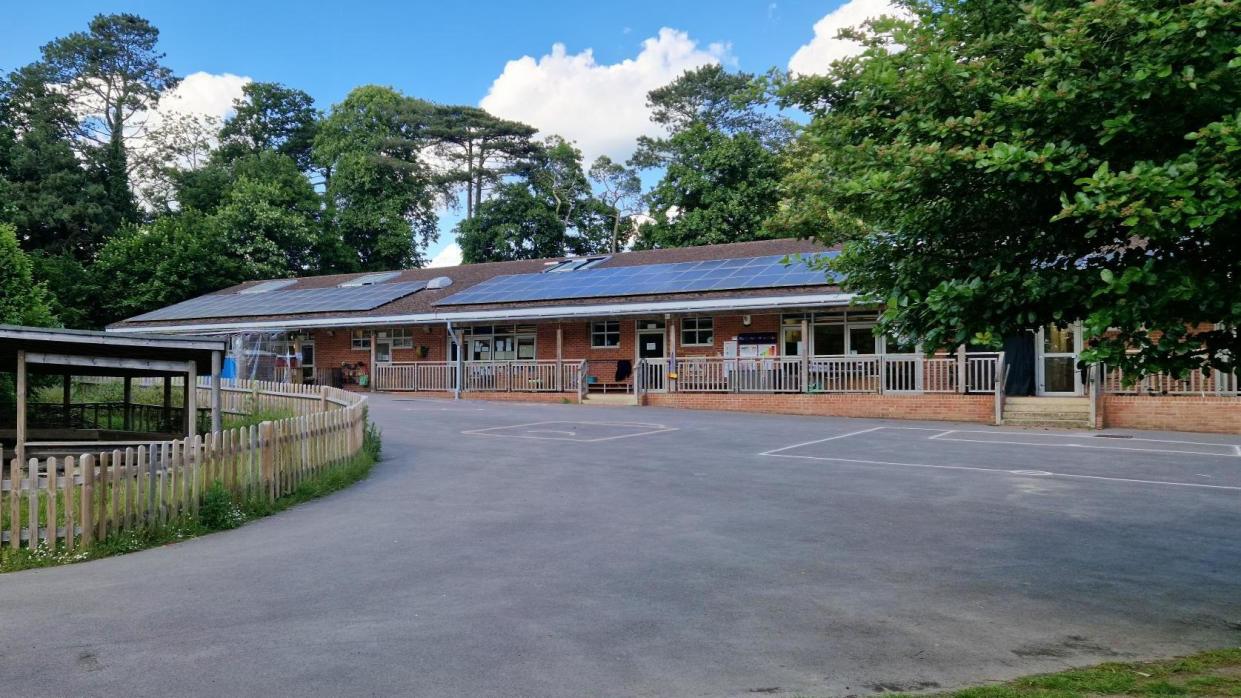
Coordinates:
x,y
539,313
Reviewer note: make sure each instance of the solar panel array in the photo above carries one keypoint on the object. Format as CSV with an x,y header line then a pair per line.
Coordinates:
x,y
680,277
311,300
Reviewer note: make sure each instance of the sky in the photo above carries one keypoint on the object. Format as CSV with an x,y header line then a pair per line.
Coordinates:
x,y
577,69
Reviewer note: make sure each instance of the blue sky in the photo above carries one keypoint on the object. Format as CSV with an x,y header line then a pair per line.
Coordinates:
x,y
455,52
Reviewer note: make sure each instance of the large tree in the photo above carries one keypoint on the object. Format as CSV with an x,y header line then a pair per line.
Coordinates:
x,y
719,159
270,116
473,150
382,195
621,194
1015,165
113,75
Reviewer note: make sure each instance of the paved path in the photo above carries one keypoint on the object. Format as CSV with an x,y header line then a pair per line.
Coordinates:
x,y
569,551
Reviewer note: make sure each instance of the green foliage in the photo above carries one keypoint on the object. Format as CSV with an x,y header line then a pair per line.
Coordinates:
x,y
1019,165
716,189
721,159
270,117
381,196
218,511
23,301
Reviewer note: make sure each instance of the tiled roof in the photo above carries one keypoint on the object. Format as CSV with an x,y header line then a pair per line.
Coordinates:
x,y
467,275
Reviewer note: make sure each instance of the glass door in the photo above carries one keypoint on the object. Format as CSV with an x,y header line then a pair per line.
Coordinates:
x,y
383,350
1057,361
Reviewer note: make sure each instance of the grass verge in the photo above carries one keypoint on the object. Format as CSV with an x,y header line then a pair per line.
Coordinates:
x,y
218,511
1212,673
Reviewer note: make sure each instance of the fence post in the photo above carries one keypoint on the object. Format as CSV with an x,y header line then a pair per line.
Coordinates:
x,y
999,389
962,370
267,458
883,372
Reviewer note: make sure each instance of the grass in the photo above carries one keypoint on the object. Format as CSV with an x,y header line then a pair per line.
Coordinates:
x,y
219,511
1212,673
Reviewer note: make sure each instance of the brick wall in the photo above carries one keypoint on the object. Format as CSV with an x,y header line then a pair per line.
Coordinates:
x,y
1172,413
947,406
501,397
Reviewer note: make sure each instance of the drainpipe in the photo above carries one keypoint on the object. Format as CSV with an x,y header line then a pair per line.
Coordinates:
x,y
456,386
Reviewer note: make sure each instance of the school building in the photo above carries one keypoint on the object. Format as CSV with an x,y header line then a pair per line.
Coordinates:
x,y
748,326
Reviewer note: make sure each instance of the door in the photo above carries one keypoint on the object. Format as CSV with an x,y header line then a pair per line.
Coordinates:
x,y
383,351
651,345
1057,361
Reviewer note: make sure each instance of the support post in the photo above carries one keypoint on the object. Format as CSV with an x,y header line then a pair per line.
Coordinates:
x,y
370,384
217,364
191,400
167,420
962,375
805,355
670,337
66,403
21,414
559,358
127,398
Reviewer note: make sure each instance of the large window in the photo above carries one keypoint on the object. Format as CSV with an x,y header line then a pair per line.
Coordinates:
x,y
697,332
361,340
605,334
501,342
842,333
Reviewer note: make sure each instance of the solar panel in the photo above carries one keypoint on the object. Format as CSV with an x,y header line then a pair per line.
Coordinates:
x,y
311,300
680,277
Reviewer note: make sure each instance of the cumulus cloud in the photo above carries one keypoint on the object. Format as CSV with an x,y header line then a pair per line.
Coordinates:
x,y
450,256
816,56
601,107
203,93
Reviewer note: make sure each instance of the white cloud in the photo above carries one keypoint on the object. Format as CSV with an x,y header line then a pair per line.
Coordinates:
x,y
817,56
203,93
601,107
450,256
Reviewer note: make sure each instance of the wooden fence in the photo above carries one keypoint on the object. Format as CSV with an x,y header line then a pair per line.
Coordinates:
x,y
75,501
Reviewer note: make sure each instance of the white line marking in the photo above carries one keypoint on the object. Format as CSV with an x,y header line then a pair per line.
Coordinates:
x,y
1237,449
650,429
1093,447
819,441
550,431
941,434
1008,472
1087,436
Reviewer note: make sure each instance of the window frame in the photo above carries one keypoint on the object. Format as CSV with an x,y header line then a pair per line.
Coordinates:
x,y
605,332
698,330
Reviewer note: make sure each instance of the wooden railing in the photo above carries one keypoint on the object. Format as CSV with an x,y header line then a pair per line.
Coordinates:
x,y
75,501
436,376
483,376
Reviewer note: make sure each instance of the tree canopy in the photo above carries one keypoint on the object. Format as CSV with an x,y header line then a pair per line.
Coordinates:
x,y
1011,166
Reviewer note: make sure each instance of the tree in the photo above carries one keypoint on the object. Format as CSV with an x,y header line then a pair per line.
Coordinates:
x,y
622,194
381,195
180,142
55,202
23,301
183,256
113,76
270,116
546,209
716,189
1022,165
271,237
478,150
720,159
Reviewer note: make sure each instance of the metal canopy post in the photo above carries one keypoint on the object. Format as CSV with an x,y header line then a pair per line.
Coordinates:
x,y
127,398
191,400
65,401
167,420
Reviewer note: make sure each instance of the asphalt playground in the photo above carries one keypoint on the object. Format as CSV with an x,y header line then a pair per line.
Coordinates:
x,y
560,550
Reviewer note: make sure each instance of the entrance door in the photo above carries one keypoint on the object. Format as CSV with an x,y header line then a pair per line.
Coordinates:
x,y
383,351
1057,361
651,344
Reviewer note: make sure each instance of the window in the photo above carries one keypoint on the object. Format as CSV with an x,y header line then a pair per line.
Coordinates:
x,y
266,286
697,332
525,347
605,334
575,264
401,337
862,339
501,342
361,341
829,340
370,279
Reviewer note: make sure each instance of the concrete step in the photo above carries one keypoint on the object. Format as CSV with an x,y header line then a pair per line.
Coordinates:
x,y
1049,423
619,399
1044,416
1044,401
1047,409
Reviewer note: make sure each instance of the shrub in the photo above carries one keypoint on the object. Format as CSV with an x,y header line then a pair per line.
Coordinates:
x,y
218,510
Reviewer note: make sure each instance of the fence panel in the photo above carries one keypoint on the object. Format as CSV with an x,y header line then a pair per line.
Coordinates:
x,y
75,501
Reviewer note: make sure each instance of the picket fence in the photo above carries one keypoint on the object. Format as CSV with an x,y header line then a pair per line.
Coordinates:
x,y
73,502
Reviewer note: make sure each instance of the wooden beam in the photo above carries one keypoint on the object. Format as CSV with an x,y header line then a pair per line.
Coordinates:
x,y
66,402
109,362
167,420
87,337
127,399
191,400
217,361
21,411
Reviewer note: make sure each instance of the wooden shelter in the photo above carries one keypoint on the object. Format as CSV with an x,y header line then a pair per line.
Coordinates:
x,y
69,353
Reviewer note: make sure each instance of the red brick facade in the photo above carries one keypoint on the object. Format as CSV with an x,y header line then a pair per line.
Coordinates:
x,y
1221,415
930,406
